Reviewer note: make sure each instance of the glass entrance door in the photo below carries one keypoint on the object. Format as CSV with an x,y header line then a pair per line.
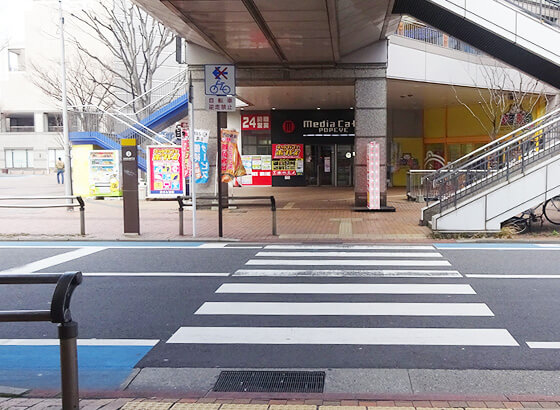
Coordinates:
x,y
344,165
319,165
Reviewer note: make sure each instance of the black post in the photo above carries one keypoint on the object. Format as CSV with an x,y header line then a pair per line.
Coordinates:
x,y
68,333
130,186
222,123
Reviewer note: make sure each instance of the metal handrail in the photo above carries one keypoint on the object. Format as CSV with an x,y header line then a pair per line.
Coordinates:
x,y
153,89
497,165
59,313
81,204
545,10
181,201
498,141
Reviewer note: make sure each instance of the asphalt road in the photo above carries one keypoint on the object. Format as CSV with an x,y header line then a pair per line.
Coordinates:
x,y
481,322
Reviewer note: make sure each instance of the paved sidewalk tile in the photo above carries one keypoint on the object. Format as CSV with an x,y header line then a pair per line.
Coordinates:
x,y
147,405
116,404
196,406
48,404
244,407
293,407
342,408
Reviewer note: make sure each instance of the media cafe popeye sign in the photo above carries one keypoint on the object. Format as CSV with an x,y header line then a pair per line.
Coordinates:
x,y
219,87
317,123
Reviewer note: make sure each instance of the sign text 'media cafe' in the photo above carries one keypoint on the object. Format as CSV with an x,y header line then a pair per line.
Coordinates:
x,y
317,123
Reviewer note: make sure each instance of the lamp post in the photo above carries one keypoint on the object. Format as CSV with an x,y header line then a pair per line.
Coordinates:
x,y
67,160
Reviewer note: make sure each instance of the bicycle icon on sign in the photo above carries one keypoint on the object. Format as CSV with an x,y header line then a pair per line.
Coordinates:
x,y
220,88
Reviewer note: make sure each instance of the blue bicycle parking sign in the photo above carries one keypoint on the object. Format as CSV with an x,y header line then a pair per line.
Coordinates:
x,y
219,80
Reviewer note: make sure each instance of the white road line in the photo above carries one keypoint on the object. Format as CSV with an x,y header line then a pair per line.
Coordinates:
x,y
55,260
354,254
81,342
343,336
498,276
149,274
344,309
347,288
358,247
358,273
544,345
348,262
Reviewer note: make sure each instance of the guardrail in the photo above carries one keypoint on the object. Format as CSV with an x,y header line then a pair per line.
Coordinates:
x,y
233,201
59,313
80,204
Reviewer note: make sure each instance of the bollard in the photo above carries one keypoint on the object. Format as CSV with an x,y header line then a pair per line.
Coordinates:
x,y
67,333
181,221
273,209
82,215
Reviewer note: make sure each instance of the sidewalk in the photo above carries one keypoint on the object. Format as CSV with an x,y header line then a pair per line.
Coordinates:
x,y
156,403
303,214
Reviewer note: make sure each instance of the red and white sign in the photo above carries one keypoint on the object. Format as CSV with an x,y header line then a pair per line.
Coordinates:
x,y
373,176
255,122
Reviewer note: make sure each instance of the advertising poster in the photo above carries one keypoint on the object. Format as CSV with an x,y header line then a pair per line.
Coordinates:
x,y
287,159
232,165
104,173
165,171
258,170
373,176
201,164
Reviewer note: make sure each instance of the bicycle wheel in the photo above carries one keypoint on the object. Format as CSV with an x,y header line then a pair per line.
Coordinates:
x,y
516,224
551,210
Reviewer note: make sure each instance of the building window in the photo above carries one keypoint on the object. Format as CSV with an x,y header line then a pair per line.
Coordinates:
x,y
16,59
257,145
20,123
54,122
54,154
19,158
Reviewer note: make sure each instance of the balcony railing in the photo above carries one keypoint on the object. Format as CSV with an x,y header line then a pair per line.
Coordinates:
x,y
21,128
433,36
548,11
55,128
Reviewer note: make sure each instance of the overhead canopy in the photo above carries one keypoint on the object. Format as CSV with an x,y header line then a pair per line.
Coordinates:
x,y
286,32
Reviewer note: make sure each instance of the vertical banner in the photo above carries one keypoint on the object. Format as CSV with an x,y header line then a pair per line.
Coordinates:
x,y
185,151
373,176
232,165
104,173
201,164
165,171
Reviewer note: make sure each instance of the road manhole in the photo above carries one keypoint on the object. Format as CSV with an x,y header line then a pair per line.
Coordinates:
x,y
270,381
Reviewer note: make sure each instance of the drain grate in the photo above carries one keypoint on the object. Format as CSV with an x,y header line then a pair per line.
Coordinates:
x,y
270,381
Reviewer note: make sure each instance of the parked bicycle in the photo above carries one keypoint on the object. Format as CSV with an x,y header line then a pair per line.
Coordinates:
x,y
551,210
523,222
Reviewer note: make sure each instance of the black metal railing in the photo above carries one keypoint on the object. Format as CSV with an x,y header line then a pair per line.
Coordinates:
x,y
81,204
494,164
59,313
208,201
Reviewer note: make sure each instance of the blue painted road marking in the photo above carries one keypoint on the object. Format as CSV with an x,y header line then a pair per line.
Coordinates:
x,y
491,246
38,367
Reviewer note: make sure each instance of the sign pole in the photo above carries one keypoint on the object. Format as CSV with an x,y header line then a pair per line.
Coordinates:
x,y
192,181
222,123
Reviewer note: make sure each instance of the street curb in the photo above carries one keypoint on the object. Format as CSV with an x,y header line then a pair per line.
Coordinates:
x,y
7,391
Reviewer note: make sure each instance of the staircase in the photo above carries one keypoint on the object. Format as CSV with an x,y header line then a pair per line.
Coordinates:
x,y
142,118
504,178
522,33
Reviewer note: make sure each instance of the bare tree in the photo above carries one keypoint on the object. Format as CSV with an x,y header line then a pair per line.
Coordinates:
x,y
135,40
505,101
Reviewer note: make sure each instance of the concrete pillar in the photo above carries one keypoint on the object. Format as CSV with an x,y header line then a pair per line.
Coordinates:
x,y
40,122
206,120
371,125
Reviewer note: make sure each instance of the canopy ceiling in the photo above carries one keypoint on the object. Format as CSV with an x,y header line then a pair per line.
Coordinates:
x,y
287,32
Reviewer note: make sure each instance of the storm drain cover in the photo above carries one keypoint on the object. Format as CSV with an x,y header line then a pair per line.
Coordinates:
x,y
270,381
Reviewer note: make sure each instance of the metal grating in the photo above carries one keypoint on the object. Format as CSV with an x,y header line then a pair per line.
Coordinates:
x,y
270,381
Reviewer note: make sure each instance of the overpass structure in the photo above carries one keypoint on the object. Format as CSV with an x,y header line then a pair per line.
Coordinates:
x,y
332,54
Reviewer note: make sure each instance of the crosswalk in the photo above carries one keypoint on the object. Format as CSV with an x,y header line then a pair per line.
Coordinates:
x,y
356,302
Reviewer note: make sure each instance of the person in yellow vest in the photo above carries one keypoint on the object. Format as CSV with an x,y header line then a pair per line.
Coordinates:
x,y
59,171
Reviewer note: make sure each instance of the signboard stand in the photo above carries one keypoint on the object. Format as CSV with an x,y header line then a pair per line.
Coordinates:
x,y
374,180
131,214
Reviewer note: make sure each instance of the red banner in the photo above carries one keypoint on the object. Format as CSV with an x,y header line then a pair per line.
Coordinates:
x,y
232,166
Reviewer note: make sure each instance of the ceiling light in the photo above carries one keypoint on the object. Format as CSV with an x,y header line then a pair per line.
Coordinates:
x,y
318,108
273,108
351,108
